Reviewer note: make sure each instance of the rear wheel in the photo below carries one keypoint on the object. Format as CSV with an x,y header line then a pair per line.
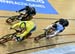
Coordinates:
x,y
36,39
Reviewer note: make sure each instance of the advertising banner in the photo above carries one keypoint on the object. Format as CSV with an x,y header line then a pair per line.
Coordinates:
x,y
42,6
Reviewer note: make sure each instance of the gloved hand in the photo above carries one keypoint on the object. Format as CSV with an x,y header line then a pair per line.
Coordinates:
x,y
11,28
18,30
17,11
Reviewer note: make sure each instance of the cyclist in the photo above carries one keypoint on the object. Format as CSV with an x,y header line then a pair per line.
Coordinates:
x,y
29,13
24,29
56,28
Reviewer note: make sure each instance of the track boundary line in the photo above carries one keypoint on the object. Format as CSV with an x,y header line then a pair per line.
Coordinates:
x,y
39,18
57,35
40,47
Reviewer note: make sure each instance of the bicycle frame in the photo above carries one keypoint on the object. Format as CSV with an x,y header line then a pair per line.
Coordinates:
x,y
46,32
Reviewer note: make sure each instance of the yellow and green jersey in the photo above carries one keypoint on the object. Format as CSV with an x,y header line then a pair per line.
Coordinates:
x,y
29,25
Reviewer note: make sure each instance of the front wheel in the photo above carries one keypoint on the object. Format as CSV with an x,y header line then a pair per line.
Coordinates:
x,y
6,38
36,39
10,20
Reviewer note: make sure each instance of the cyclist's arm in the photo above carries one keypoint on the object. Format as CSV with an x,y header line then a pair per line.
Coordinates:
x,y
15,25
56,21
48,27
21,9
54,34
24,34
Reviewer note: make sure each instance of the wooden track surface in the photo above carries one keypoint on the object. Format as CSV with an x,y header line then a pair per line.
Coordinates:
x,y
65,8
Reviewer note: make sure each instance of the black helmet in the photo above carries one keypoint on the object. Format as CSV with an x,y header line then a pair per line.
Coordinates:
x,y
27,8
33,11
30,10
64,22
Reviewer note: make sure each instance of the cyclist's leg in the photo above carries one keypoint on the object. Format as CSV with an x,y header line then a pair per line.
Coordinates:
x,y
28,35
33,29
30,32
22,38
16,38
53,34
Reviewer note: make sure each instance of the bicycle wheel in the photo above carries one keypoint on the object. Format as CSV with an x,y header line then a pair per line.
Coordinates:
x,y
6,38
36,39
10,20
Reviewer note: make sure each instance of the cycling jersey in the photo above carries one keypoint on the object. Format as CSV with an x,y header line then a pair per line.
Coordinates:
x,y
59,27
30,27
